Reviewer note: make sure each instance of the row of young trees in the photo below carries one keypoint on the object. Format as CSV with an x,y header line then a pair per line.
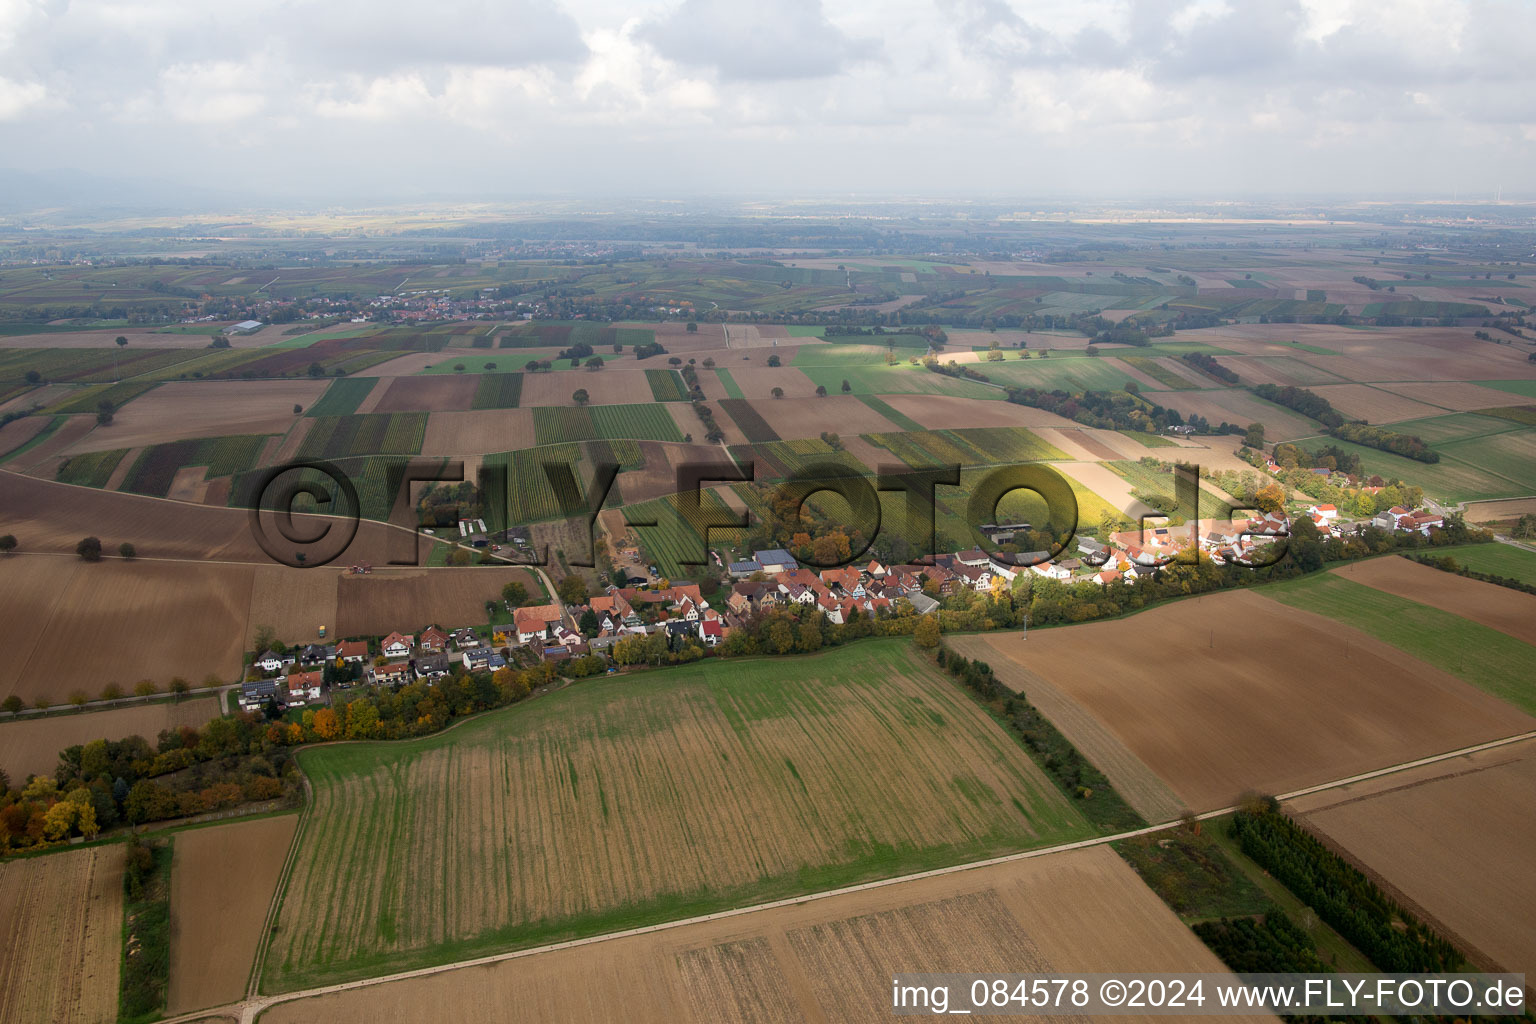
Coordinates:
x,y
1375,924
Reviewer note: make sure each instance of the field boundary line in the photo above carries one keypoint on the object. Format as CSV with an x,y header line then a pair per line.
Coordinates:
x,y
251,1009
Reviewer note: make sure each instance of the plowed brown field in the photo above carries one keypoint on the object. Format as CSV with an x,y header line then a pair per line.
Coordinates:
x,y
222,879
1230,692
1508,611
1454,839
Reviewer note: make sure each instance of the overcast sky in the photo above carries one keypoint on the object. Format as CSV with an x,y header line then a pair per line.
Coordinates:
x,y
1117,98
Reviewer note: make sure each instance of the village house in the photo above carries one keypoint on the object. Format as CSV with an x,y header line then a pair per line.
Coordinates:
x,y
533,622
432,665
433,639
354,651
397,645
256,693
317,654
394,672
271,661
744,569
303,688
467,639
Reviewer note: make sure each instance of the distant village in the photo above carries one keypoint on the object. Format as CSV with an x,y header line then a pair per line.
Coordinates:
x,y
306,675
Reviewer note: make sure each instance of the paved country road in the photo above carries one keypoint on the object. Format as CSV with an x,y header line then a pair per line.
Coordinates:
x,y
248,1010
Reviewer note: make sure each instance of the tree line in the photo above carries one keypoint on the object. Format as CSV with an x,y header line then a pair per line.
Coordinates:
x,y
1392,938
1310,403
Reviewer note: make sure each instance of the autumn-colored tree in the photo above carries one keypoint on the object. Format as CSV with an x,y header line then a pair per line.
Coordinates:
x,y
810,637
111,691
327,725
1271,498
145,688
781,636
927,632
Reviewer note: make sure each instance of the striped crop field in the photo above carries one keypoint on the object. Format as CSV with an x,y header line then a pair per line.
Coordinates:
x,y
572,814
498,391
339,437
649,422
667,385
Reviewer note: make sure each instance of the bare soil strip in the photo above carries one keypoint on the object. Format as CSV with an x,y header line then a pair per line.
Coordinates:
x,y
222,880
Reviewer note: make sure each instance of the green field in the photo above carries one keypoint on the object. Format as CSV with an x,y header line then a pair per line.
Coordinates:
x,y
902,379
343,396
1468,473
1486,658
667,385
93,469
555,425
1067,374
865,352
498,391
626,801
1495,559
1148,440
390,433
1526,388
975,446
882,407
732,389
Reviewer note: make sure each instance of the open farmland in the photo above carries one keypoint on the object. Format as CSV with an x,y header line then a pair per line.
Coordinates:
x,y
1483,656
51,517
809,417
1508,611
1498,559
1236,405
30,746
648,422
183,410
338,437
482,432
144,620
1453,842
61,926
893,380
408,599
1471,475
428,394
610,386
297,603
826,959
943,412
1230,715
640,799
222,882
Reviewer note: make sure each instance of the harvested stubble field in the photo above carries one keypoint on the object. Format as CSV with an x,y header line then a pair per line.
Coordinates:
x,y
1453,841
429,394
61,928
823,960
180,410
222,882
1232,715
622,801
409,599
1508,611
90,625
30,746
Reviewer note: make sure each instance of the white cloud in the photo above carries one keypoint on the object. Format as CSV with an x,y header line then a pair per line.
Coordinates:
x,y
1208,93
16,98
